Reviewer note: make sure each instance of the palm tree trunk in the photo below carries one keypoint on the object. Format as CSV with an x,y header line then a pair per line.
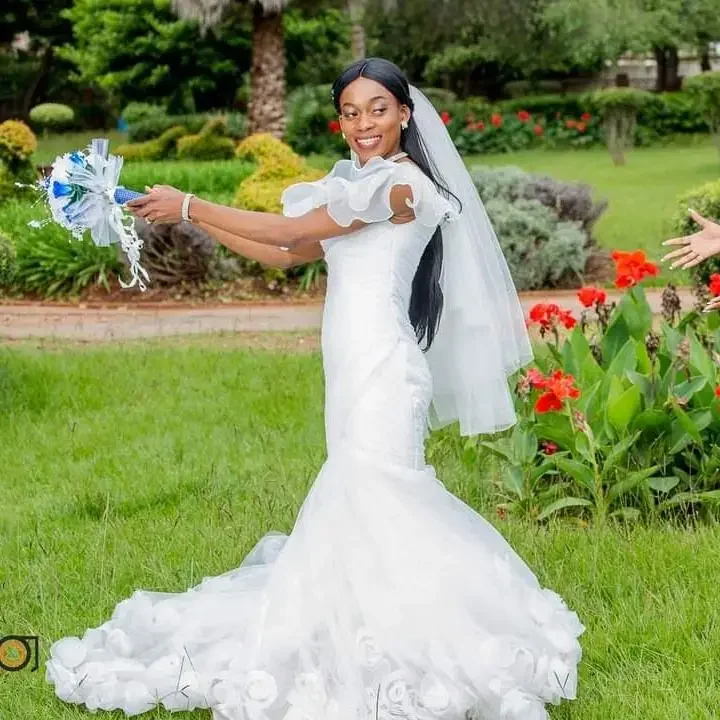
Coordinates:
x,y
267,76
356,9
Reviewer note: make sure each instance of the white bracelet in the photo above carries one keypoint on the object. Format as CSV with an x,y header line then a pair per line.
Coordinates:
x,y
186,207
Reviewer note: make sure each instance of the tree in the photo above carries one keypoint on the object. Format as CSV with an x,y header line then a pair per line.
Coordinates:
x,y
140,50
47,28
267,74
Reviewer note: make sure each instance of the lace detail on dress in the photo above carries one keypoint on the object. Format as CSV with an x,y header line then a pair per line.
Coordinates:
x,y
363,193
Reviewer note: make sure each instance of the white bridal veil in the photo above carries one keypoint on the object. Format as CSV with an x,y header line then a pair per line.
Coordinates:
x,y
482,338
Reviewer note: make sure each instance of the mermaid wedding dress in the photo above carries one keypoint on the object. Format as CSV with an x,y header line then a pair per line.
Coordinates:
x,y
391,598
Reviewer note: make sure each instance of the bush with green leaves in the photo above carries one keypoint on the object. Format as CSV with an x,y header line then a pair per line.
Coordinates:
x,y
7,262
705,200
161,148
210,143
544,226
52,117
313,125
49,262
619,109
154,127
706,89
134,112
617,420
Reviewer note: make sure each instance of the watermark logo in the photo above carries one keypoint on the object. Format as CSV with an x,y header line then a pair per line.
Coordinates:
x,y
16,653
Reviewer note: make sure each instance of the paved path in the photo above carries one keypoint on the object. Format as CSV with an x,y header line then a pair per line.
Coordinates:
x,y
124,322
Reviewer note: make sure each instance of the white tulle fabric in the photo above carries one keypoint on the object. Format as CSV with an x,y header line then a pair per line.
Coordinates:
x,y
391,598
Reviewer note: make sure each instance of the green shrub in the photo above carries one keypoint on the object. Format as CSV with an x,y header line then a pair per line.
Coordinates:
x,y
7,262
440,97
523,88
619,109
153,127
160,148
638,437
17,140
671,113
48,260
572,105
705,200
312,122
706,89
209,144
134,112
544,226
53,117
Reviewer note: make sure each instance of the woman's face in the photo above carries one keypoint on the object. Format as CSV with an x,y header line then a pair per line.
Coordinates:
x,y
370,117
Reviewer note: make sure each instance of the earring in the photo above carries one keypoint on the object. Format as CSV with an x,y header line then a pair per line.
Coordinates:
x,y
344,138
404,125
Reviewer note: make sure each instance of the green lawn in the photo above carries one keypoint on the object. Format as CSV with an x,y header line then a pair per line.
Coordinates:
x,y
153,464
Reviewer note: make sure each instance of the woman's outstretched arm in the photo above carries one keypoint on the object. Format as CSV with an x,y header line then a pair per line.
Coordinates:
x,y
265,254
163,204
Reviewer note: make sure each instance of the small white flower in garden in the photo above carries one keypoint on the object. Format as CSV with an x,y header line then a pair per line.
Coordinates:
x,y
69,651
260,688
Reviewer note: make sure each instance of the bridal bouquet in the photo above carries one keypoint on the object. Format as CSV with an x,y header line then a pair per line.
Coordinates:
x,y
82,193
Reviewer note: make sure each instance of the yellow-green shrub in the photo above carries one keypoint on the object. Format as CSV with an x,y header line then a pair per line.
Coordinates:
x,y
18,139
278,168
209,144
160,148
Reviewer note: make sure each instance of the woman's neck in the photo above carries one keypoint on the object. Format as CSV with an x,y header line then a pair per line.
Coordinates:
x,y
386,156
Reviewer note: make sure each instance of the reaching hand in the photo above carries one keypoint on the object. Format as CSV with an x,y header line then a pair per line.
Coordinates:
x,y
697,247
163,203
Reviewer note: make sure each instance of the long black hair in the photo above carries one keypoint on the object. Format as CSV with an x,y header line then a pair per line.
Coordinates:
x,y
426,299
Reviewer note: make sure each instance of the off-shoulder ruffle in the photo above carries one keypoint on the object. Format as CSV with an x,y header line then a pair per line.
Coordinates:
x,y
363,193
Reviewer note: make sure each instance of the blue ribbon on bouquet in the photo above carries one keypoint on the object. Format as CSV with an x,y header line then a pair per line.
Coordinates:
x,y
82,193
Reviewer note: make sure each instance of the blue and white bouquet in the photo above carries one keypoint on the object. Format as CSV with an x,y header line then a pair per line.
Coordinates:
x,y
82,193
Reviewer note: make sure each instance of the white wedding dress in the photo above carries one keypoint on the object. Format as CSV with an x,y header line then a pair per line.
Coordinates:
x,y
391,598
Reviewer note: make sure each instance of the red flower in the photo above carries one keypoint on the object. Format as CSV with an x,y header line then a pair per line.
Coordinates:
x,y
480,126
496,119
586,117
535,378
548,448
717,391
538,130
714,286
581,127
590,296
558,388
632,267
334,127
549,315
523,116
571,124
445,117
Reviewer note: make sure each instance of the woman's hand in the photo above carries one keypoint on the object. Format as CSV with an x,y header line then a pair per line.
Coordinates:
x,y
162,203
697,247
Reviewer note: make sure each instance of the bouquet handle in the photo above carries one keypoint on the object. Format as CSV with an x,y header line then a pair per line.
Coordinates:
x,y
123,195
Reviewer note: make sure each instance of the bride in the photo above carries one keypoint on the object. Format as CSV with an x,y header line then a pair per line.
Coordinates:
x,y
391,598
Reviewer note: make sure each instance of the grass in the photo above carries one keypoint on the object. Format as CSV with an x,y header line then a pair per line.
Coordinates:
x,y
153,464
